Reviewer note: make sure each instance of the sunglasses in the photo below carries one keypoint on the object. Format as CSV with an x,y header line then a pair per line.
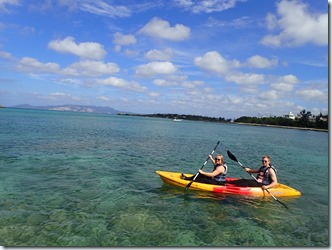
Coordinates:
x,y
218,159
264,161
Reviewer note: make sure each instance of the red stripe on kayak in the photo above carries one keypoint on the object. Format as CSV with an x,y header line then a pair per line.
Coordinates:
x,y
231,189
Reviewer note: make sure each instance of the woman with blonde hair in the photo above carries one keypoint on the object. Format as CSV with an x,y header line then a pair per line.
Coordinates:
x,y
216,177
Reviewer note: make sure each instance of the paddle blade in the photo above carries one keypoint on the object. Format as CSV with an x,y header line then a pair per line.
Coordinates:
x,y
188,186
277,199
283,204
231,156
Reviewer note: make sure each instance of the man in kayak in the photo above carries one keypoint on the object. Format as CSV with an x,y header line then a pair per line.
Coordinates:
x,y
266,177
217,177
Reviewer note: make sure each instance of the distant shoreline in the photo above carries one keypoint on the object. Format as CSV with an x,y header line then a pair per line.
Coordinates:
x,y
169,116
105,110
278,126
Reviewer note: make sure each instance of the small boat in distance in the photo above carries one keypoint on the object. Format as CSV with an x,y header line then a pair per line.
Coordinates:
x,y
177,120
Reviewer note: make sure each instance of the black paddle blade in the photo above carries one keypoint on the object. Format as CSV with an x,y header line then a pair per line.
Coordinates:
x,y
231,156
283,204
188,186
280,202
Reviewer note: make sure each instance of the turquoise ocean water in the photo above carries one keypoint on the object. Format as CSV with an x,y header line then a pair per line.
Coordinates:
x,y
82,179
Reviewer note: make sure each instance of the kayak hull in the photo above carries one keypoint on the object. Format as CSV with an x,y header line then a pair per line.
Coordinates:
x,y
174,178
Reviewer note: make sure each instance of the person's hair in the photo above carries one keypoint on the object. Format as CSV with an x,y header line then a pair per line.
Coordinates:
x,y
266,156
221,157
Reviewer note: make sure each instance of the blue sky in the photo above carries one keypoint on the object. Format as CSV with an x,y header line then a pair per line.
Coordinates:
x,y
219,58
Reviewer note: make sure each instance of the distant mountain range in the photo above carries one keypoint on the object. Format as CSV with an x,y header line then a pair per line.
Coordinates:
x,y
72,108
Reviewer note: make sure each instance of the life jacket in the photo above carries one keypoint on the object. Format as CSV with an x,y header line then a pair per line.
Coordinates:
x,y
263,175
222,176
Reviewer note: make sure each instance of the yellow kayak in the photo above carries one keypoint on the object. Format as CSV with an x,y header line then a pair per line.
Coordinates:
x,y
174,178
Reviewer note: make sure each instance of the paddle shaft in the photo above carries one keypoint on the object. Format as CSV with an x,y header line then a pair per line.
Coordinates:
x,y
231,156
189,184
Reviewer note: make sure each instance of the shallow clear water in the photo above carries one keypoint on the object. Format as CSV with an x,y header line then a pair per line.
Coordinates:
x,y
81,179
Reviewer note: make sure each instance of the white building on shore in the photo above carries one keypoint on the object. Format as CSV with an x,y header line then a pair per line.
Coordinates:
x,y
290,115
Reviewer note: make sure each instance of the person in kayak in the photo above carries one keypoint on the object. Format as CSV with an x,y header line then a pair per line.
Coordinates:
x,y
217,177
266,177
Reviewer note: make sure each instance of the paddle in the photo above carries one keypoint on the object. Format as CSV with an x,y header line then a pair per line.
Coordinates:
x,y
189,184
232,157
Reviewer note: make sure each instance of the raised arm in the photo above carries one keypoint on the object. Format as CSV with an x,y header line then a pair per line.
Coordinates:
x,y
211,158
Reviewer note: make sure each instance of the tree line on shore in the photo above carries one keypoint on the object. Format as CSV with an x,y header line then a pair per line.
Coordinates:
x,y
182,117
304,119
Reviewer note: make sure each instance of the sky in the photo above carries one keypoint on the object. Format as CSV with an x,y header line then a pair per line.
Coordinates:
x,y
217,58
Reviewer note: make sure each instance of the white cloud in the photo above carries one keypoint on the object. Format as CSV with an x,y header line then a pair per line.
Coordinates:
x,y
178,81
82,68
241,22
261,62
297,25
103,8
89,50
5,3
271,21
207,6
103,98
122,84
31,65
154,94
194,84
312,94
282,86
170,81
285,83
117,48
122,39
290,79
246,78
214,62
159,55
6,55
235,100
131,53
270,95
62,96
155,68
164,83
71,81
91,68
159,28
